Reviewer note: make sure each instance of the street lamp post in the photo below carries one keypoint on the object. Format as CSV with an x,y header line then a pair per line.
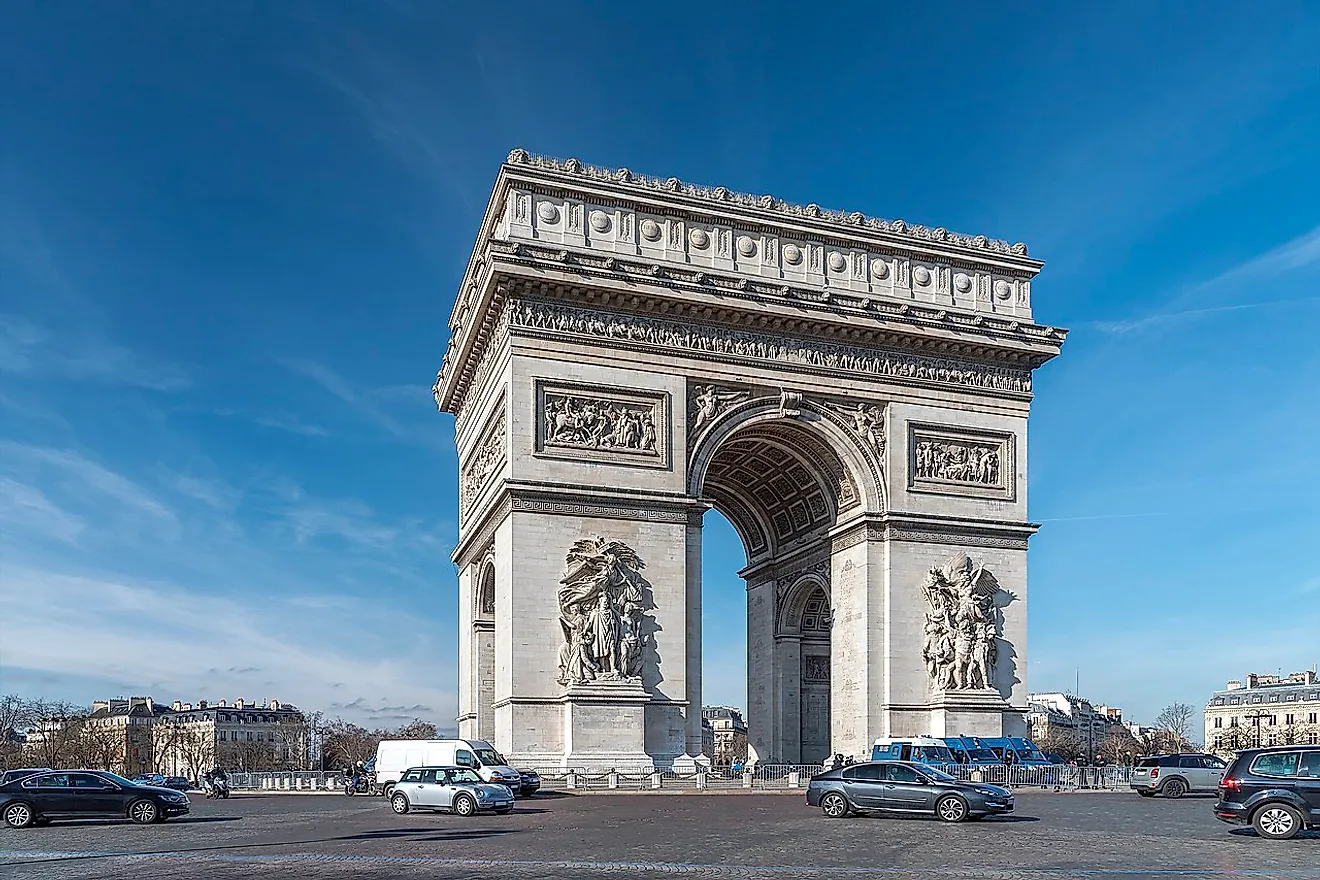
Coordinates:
x,y
1256,717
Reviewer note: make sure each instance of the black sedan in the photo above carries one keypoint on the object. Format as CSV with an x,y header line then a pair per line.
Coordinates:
x,y
901,787
86,794
531,782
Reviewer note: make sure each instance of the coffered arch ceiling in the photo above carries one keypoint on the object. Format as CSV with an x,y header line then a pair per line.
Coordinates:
x,y
779,484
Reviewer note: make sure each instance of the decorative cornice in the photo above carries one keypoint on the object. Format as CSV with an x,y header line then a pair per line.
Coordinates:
x,y
909,528
764,204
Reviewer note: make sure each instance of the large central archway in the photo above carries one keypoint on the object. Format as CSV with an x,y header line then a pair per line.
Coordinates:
x,y
628,353
784,489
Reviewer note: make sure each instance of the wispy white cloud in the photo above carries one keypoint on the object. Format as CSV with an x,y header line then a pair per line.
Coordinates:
x,y
212,492
1202,300
81,478
78,354
27,508
284,421
185,642
364,401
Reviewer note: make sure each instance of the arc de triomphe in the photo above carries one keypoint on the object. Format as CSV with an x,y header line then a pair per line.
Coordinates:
x,y
852,393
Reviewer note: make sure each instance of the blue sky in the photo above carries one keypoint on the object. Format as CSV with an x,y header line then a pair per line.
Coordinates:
x,y
230,235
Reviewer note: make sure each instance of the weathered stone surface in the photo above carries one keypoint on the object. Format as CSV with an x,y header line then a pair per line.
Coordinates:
x,y
852,393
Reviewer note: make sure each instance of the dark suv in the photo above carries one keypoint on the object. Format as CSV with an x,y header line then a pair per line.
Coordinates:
x,y
1275,790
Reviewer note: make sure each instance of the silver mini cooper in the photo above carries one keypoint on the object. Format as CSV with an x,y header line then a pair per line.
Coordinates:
x,y
456,790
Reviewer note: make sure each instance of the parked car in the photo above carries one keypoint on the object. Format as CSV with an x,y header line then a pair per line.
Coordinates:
x,y
81,794
178,783
1276,790
531,782
907,788
12,775
456,790
149,779
1176,775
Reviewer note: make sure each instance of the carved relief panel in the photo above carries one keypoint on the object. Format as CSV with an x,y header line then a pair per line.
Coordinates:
x,y
486,460
602,423
958,461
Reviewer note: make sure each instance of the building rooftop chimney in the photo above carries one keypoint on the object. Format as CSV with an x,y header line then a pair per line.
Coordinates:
x,y
178,706
1234,685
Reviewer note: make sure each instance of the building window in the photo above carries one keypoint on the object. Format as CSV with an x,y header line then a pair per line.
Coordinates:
x,y
1310,719
1288,719
1233,722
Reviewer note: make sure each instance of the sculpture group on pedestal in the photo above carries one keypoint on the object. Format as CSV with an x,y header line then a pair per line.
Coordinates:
x,y
601,608
961,625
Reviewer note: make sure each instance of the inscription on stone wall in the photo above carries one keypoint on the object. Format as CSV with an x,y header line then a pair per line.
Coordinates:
x,y
953,461
601,423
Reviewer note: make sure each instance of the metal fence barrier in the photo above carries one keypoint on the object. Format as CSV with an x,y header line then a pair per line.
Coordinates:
x,y
765,777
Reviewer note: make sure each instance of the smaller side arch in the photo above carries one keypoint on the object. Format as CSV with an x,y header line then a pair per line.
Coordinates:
x,y
483,599
806,601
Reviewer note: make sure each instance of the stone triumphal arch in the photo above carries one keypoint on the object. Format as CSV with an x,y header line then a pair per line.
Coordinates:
x,y
852,393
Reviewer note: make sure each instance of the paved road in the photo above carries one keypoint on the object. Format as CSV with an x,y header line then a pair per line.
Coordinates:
x,y
645,837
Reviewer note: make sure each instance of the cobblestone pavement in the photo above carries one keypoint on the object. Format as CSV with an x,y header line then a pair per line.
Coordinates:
x,y
644,837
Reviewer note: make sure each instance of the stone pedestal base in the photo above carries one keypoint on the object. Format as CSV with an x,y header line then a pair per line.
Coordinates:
x,y
605,727
979,712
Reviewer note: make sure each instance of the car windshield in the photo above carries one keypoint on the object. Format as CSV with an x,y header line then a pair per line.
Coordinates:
x,y
464,776
938,775
938,754
982,754
491,758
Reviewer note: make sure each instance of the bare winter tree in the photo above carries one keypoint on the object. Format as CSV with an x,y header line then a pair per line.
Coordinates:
x,y
415,729
16,716
1062,742
1119,746
195,747
54,739
347,743
1176,722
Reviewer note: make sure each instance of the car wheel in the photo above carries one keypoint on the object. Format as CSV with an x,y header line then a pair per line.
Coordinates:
x,y
19,816
399,803
834,805
1146,793
389,790
143,812
464,805
1277,821
1174,788
951,808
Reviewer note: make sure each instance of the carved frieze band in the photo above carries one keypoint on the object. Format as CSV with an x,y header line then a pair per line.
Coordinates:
x,y
486,460
955,461
600,423
722,342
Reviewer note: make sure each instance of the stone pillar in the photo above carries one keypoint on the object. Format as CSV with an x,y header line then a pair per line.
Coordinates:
x,y
693,739
762,683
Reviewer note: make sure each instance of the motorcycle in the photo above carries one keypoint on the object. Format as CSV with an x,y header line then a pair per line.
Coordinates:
x,y
217,788
357,783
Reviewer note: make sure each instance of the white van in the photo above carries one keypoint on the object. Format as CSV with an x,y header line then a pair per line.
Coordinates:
x,y
394,756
